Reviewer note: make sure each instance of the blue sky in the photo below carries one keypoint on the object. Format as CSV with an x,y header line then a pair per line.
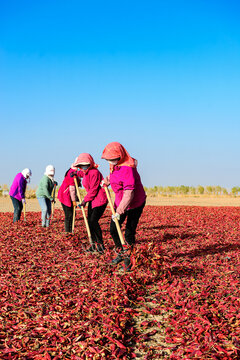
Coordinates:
x,y
161,77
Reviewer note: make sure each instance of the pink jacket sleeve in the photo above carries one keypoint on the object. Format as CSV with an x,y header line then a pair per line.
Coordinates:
x,y
22,187
72,188
128,183
94,184
125,202
72,191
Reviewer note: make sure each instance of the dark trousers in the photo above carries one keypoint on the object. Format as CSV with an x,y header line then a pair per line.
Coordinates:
x,y
133,217
68,211
94,214
18,206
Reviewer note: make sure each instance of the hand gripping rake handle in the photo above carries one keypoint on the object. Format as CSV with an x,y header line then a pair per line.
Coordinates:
x,y
116,220
83,211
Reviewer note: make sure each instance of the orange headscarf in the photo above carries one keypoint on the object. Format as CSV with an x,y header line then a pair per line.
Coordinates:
x,y
115,150
85,158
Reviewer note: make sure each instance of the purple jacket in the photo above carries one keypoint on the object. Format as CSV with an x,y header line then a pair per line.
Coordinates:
x,y
91,182
127,178
18,188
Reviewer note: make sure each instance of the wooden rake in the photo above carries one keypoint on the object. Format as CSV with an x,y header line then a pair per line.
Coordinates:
x,y
73,220
24,211
53,204
83,212
116,220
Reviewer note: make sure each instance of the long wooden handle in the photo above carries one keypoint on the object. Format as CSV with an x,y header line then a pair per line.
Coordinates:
x,y
73,221
24,211
116,220
53,204
83,211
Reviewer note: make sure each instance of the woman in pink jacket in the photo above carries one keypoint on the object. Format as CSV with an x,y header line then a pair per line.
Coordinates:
x,y
130,196
68,198
95,197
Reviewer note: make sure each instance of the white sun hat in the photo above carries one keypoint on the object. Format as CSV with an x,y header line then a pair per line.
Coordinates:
x,y
27,173
50,170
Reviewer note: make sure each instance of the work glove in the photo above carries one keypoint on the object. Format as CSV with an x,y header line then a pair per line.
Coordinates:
x,y
23,201
83,204
73,174
103,184
55,183
74,203
116,216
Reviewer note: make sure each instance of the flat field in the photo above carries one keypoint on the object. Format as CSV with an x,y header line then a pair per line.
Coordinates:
x,y
181,300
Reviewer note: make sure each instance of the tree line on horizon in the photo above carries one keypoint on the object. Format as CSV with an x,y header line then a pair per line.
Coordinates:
x,y
191,190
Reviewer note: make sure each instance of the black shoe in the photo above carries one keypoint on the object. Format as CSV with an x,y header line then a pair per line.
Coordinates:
x,y
127,266
118,259
100,248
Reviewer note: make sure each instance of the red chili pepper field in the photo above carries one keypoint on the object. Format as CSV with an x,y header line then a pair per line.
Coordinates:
x,y
181,301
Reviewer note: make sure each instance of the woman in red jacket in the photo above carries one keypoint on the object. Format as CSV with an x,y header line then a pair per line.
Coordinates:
x,y
67,197
96,197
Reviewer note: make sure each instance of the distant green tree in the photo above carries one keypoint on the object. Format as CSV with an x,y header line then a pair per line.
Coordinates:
x,y
218,190
160,189
213,190
209,189
192,190
184,189
200,190
235,190
167,189
164,190
177,190
172,189
224,191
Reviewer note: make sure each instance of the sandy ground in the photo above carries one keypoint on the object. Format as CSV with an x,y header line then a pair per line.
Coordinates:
x,y
196,200
33,205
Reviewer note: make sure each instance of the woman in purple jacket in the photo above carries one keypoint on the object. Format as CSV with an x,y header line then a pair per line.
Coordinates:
x,y
17,192
96,197
130,196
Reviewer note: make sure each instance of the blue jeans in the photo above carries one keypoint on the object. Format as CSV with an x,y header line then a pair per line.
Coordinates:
x,y
46,208
18,206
